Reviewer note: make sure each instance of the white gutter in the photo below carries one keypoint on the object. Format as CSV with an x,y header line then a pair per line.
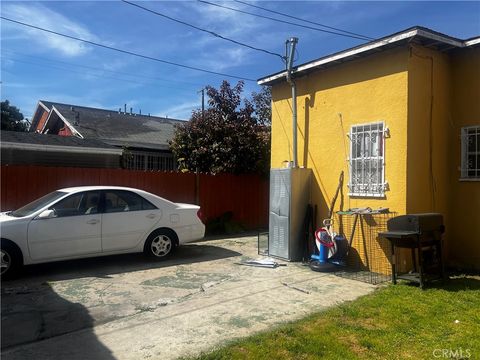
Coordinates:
x,y
370,46
59,148
440,38
473,42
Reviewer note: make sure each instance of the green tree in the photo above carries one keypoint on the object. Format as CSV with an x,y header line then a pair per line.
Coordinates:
x,y
262,104
12,118
226,137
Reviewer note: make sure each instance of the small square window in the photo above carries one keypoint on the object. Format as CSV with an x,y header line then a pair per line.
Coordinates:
x,y
367,166
470,153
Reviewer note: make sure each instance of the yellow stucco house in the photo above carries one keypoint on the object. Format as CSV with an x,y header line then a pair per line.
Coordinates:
x,y
409,104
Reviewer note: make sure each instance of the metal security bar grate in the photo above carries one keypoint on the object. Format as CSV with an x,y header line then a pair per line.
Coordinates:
x,y
139,160
470,152
367,160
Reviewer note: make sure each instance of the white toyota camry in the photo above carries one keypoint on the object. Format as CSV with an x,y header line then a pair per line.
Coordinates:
x,y
93,221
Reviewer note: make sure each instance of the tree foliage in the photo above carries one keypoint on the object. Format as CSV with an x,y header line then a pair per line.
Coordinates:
x,y
262,104
12,118
227,137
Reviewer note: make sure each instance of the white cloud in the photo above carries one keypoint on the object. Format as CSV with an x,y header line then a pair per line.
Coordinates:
x,y
221,59
41,16
182,111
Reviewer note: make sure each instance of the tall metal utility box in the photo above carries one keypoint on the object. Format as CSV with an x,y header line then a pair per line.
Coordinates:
x,y
289,197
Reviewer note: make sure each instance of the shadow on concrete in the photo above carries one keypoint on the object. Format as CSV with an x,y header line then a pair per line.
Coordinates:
x,y
103,267
48,316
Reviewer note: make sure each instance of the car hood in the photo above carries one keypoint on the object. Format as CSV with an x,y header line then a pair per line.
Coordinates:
x,y
4,217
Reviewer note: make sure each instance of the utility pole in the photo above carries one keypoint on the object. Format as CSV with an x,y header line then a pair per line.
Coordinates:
x,y
197,174
293,43
203,102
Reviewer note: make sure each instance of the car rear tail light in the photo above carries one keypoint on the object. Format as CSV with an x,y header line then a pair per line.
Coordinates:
x,y
200,215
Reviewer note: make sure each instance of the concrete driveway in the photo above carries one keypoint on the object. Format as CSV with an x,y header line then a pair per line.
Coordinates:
x,y
127,307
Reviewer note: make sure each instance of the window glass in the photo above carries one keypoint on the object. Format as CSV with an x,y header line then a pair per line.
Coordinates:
x,y
367,168
471,152
36,205
121,201
84,203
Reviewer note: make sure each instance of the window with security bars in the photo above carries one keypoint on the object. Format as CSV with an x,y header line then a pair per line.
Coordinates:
x,y
471,152
367,160
149,161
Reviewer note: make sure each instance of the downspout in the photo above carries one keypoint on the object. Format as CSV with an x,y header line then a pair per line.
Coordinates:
x,y
293,43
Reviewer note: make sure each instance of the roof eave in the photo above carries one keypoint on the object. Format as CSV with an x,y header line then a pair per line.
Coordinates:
x,y
365,49
60,148
472,42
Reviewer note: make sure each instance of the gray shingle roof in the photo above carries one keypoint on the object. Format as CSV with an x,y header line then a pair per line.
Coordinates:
x,y
45,139
118,128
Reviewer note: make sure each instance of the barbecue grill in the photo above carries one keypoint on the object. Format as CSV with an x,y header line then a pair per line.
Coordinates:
x,y
422,233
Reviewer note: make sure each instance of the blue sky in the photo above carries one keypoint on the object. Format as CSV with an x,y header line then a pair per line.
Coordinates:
x,y
36,65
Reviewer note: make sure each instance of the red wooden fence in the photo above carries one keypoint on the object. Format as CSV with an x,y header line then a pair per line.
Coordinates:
x,y
244,195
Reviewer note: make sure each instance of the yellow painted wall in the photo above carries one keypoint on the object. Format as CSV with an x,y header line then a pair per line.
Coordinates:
x,y
428,145
424,97
464,239
331,101
434,186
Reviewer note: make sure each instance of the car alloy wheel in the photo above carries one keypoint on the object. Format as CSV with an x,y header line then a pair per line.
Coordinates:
x,y
161,245
6,261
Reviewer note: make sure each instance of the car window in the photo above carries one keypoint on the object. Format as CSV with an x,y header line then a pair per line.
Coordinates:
x,y
121,201
83,203
37,204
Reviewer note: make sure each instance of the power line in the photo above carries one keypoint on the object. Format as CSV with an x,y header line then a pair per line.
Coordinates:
x,y
89,74
100,69
307,21
204,30
126,51
282,21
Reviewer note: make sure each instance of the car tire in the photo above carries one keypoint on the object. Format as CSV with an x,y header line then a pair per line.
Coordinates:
x,y
11,260
160,244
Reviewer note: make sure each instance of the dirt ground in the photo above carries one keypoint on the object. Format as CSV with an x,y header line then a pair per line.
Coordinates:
x,y
128,307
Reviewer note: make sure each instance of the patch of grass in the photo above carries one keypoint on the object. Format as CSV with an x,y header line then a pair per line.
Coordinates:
x,y
395,322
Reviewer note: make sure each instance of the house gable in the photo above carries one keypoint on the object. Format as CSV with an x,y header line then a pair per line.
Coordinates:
x,y
40,117
57,124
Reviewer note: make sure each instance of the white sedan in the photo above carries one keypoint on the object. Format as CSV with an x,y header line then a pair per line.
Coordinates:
x,y
90,221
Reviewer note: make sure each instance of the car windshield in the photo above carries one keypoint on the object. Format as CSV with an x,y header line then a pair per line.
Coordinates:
x,y
37,204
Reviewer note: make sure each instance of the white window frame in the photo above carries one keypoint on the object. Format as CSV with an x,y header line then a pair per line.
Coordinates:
x,y
360,163
466,133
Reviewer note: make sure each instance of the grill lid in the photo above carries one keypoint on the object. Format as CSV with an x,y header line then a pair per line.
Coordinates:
x,y
418,223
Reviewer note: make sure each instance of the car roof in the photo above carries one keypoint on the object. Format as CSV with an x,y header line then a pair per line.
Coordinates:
x,y
97,187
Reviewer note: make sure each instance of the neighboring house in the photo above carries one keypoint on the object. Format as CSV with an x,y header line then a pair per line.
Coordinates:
x,y
143,138
25,148
401,117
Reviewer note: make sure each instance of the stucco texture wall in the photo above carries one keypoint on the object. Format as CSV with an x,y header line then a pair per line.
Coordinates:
x,y
444,96
428,144
464,201
329,102
424,97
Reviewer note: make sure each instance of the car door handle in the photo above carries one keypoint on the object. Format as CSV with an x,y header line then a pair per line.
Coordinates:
x,y
93,221
151,216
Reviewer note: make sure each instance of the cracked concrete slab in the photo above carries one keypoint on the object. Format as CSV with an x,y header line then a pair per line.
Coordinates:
x,y
127,307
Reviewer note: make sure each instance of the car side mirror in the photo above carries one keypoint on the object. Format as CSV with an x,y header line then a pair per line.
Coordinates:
x,y
46,214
